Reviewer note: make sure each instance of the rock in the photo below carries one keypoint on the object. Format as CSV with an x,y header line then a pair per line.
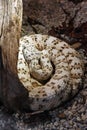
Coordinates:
x,y
84,116
65,19
76,45
56,123
62,116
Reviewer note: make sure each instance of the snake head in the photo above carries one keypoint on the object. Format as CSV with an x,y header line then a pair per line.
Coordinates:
x,y
30,53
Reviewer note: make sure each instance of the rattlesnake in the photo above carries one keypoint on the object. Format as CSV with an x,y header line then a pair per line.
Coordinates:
x,y
50,69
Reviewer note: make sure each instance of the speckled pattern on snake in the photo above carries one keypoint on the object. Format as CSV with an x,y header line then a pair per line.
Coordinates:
x,y
50,69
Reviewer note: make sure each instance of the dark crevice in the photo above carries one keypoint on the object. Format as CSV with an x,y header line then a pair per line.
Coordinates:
x,y
1,63
1,66
64,32
34,22
68,15
76,1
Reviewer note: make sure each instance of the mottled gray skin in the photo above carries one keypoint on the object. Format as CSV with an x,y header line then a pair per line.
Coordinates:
x,y
38,56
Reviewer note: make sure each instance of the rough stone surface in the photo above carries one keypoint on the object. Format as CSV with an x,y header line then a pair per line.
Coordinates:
x,y
43,15
61,18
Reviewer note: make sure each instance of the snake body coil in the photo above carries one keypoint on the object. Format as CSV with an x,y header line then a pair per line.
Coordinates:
x,y
50,69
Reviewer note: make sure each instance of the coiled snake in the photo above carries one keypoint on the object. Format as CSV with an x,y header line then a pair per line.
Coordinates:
x,y
50,69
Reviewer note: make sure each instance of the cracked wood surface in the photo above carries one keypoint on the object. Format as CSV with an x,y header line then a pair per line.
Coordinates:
x,y
10,26
12,92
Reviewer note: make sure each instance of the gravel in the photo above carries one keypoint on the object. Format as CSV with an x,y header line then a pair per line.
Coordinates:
x,y
72,115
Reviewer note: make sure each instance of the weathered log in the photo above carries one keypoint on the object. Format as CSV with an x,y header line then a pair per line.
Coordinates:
x,y
12,93
10,27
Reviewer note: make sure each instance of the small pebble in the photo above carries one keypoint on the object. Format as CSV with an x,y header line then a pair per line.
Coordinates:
x,y
62,116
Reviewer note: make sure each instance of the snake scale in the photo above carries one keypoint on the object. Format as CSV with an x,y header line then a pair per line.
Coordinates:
x,y
50,69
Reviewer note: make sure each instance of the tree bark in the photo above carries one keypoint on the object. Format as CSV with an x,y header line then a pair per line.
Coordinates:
x,y
10,27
